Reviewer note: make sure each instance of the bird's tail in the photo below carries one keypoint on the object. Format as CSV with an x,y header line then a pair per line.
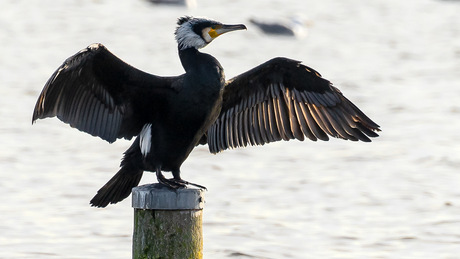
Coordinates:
x,y
117,188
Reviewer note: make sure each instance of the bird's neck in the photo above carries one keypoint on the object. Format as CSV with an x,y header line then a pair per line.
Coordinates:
x,y
193,60
188,57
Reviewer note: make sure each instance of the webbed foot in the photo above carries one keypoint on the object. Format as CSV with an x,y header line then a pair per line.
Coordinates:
x,y
180,181
171,183
176,182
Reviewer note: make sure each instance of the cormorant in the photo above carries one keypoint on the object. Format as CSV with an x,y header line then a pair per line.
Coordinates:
x,y
281,99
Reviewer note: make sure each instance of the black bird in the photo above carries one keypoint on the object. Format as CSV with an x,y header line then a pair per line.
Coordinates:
x,y
96,92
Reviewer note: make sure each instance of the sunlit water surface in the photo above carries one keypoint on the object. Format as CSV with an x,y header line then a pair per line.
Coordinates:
x,y
398,197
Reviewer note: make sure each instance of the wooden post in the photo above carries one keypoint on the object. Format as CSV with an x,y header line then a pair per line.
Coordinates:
x,y
167,223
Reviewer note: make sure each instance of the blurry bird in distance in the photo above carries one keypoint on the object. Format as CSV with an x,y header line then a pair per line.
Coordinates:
x,y
295,26
187,3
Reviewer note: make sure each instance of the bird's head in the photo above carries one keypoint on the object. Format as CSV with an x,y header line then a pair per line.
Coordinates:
x,y
198,32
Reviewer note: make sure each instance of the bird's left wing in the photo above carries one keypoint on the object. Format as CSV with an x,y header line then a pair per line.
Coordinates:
x,y
98,93
282,100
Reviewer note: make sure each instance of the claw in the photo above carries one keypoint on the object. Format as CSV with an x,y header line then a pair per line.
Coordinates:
x,y
171,183
189,183
176,182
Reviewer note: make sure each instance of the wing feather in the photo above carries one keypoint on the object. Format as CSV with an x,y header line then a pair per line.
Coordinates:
x,y
266,121
222,130
254,126
303,122
247,131
312,124
273,121
294,123
261,122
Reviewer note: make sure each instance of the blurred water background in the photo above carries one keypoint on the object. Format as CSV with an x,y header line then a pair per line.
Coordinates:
x,y
397,197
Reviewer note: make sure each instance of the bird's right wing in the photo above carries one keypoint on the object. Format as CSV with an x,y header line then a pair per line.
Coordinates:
x,y
96,92
282,99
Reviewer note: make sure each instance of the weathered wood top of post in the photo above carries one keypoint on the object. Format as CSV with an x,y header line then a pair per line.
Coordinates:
x,y
158,197
167,222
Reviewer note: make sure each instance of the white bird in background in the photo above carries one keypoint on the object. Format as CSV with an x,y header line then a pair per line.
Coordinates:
x,y
294,27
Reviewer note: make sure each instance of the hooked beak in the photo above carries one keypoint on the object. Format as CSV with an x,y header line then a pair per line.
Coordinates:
x,y
224,28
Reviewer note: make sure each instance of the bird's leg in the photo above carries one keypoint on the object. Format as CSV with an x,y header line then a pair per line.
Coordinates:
x,y
178,179
171,183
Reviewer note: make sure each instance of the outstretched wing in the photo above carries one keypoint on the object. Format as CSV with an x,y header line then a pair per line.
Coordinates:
x,y
96,92
282,100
